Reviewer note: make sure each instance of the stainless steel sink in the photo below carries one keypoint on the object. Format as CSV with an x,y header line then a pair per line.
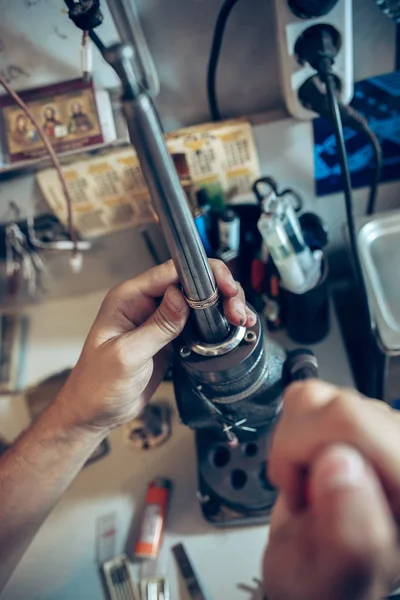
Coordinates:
x,y
379,246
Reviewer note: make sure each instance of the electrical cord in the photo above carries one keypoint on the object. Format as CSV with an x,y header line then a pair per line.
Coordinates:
x,y
218,38
313,96
376,178
97,42
319,47
345,174
359,123
53,157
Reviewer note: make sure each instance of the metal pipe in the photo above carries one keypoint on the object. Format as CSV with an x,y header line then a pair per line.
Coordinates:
x,y
126,19
168,197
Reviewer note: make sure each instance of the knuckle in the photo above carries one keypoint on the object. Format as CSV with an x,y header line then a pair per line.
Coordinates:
x,y
165,270
143,375
165,324
113,296
219,267
344,411
168,265
120,352
240,290
302,395
216,263
158,271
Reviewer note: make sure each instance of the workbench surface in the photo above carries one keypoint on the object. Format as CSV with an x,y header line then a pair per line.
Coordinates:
x,y
61,563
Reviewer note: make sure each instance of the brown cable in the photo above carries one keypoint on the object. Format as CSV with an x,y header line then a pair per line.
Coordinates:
x,y
53,157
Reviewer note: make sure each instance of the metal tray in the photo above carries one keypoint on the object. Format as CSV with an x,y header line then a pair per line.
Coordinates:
x,y
379,246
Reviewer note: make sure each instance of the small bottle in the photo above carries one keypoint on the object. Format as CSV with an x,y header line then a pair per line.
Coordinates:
x,y
281,250
229,231
200,222
203,203
293,228
153,519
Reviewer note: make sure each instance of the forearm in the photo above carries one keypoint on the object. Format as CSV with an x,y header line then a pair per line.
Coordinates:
x,y
34,473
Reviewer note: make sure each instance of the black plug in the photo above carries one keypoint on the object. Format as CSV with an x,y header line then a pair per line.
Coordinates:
x,y
313,96
309,9
318,45
85,14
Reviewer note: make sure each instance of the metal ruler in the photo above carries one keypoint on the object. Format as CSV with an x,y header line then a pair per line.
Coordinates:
x,y
189,576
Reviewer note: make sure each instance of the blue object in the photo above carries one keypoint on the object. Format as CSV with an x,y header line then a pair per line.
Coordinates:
x,y
378,99
200,222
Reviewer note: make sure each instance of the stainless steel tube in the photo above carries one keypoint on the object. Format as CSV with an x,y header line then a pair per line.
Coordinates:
x,y
168,198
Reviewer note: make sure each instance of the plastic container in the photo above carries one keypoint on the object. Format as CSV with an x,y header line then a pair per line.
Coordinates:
x,y
307,316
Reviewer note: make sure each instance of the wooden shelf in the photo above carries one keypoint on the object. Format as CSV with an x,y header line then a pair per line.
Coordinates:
x,y
66,158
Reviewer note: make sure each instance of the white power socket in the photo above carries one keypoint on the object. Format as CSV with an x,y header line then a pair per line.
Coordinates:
x,y
294,74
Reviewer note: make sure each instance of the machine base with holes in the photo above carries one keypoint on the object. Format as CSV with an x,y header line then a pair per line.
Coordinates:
x,y
235,398
233,484
232,401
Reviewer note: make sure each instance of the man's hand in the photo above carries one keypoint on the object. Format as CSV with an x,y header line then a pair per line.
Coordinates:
x,y
334,530
116,373
114,377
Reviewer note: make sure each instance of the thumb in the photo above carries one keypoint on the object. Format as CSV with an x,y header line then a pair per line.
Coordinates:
x,y
353,522
164,325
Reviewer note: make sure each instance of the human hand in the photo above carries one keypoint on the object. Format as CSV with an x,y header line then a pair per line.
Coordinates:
x,y
340,539
116,372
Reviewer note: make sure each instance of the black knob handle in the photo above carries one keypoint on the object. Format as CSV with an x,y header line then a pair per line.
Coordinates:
x,y
301,364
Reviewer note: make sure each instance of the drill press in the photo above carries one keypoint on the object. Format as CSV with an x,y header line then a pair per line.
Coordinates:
x,y
228,380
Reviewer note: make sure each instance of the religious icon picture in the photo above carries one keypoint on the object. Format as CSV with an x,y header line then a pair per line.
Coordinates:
x,y
67,113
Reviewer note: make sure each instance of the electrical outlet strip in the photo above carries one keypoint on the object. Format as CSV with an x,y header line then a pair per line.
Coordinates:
x,y
294,74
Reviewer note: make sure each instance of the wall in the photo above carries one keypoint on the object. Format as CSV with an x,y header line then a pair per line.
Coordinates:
x,y
248,73
37,36
179,36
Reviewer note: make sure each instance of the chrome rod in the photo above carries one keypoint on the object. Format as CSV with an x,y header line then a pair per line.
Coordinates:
x,y
168,197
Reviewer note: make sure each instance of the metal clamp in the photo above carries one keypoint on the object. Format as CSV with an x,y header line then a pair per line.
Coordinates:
x,y
232,341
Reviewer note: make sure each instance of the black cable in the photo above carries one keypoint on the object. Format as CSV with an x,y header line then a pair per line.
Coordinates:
x,y
312,94
358,122
371,385
319,48
397,49
216,46
376,178
97,42
345,173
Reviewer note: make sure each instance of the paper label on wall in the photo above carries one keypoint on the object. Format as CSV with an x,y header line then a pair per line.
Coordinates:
x,y
222,157
109,192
